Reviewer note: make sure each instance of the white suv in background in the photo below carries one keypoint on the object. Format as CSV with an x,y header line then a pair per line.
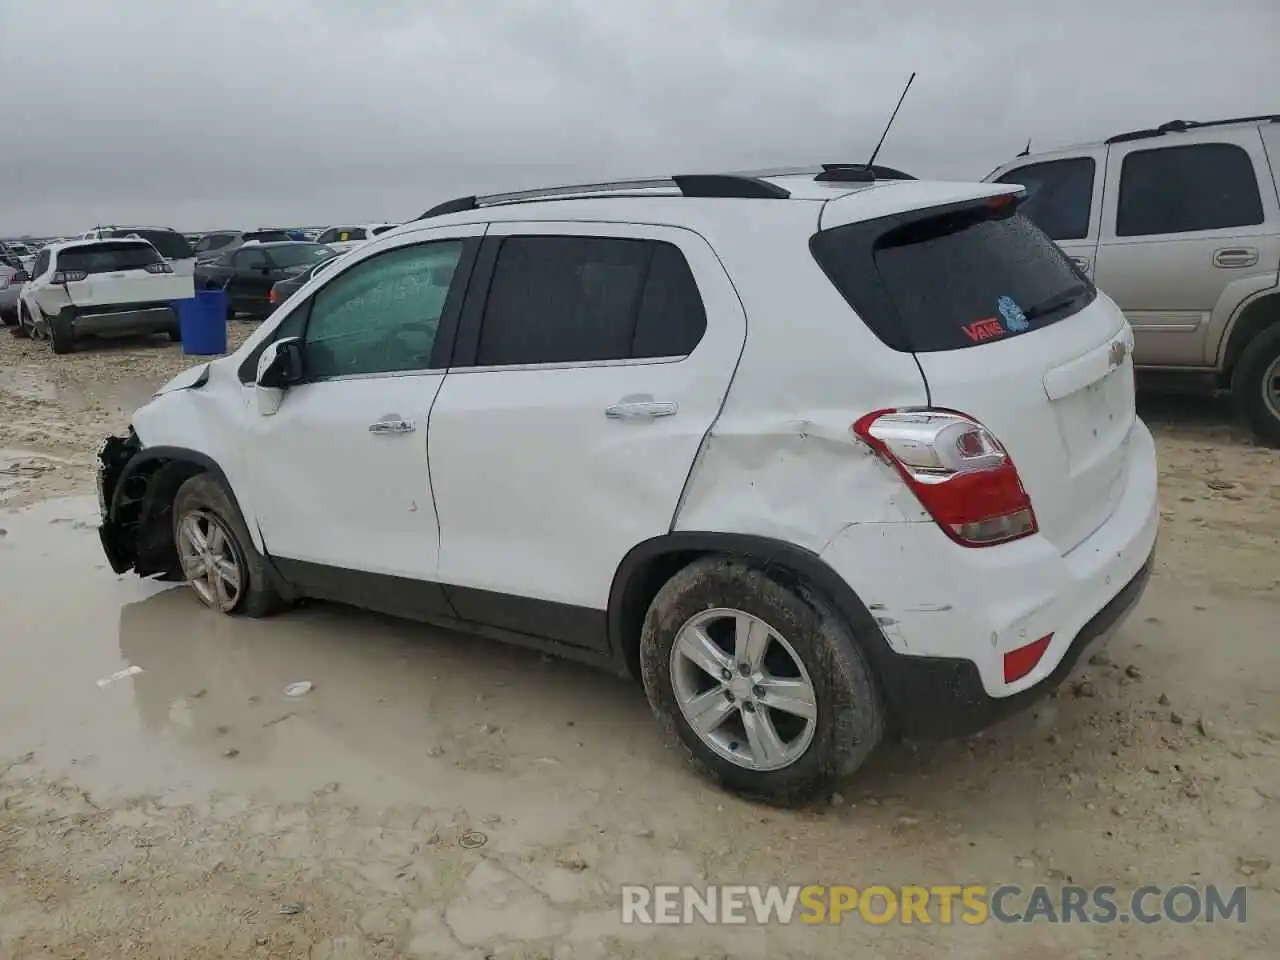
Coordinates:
x,y
85,287
819,458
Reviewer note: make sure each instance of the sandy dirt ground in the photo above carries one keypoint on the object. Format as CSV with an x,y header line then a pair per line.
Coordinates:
x,y
442,796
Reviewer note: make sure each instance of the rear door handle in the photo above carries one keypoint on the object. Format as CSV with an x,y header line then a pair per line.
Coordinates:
x,y
392,424
1235,257
641,407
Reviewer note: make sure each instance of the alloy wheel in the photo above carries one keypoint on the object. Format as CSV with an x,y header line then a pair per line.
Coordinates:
x,y
743,689
210,561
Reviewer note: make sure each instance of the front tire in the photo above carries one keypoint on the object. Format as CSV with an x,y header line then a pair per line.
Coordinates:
x,y
1255,385
216,553
762,682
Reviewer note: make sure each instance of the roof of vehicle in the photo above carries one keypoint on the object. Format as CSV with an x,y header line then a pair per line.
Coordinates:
x,y
1164,129
704,202
275,244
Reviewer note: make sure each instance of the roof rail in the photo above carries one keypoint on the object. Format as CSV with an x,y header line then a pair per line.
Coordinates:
x,y
1182,126
683,185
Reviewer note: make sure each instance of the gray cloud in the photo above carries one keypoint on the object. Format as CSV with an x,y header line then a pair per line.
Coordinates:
x,y
236,112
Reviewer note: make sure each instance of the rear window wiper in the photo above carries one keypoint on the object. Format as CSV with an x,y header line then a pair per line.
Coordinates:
x,y
1058,302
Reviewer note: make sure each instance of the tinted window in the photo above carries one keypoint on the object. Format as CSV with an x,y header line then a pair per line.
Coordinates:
x,y
379,231
268,236
1059,195
578,299
105,257
341,235
953,279
41,264
299,254
249,258
172,245
213,241
382,314
1207,186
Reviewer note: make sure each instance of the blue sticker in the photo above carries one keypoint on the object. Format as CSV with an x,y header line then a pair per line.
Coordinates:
x,y
1014,319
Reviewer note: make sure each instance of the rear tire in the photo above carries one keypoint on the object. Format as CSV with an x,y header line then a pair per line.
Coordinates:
x,y
21,331
175,335
1255,385
9,318
828,667
203,502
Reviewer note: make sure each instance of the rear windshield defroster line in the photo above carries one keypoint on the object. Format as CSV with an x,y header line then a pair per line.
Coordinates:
x,y
952,277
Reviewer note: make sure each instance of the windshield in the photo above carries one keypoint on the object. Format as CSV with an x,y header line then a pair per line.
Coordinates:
x,y
300,254
172,246
106,257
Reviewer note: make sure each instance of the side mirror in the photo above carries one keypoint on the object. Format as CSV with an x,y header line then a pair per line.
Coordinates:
x,y
279,367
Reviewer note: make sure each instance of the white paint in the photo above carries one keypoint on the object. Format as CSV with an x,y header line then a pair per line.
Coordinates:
x,y
130,671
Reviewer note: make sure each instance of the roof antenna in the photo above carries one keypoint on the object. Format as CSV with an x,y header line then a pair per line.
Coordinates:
x,y
893,116
1026,151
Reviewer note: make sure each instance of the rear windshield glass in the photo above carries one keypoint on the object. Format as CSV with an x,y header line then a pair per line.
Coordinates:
x,y
951,279
106,257
268,236
172,245
300,254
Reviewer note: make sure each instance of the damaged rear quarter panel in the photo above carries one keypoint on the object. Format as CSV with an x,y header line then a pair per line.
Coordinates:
x,y
781,460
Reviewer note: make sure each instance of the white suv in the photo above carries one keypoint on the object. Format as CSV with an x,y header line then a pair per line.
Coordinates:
x,y
100,287
820,459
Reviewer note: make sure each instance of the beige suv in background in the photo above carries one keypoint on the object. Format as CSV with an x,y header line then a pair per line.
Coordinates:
x,y
1180,225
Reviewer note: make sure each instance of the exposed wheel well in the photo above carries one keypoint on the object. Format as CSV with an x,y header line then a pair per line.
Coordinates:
x,y
641,586
144,508
1257,316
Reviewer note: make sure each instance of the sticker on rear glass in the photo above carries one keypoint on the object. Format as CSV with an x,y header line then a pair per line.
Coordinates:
x,y
985,329
1014,319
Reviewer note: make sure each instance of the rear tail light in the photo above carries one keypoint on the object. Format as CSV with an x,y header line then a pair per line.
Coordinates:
x,y
158,268
69,276
959,472
273,296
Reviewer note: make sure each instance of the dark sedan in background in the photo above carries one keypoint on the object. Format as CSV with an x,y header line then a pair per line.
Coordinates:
x,y
284,289
248,273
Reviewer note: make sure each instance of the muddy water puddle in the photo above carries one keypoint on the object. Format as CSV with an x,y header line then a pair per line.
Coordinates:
x,y
434,793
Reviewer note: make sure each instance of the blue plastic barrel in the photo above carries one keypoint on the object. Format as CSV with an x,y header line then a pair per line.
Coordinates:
x,y
203,322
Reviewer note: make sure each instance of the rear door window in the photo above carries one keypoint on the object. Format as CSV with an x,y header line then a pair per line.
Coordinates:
x,y
953,278
1201,186
584,299
108,257
1059,195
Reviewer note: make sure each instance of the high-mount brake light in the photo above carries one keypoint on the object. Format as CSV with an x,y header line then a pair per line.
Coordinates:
x,y
957,469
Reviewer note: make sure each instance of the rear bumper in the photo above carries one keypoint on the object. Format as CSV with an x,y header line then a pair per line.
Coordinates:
x,y
949,627
119,318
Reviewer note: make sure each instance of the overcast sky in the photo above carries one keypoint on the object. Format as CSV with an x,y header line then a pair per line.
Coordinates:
x,y
237,113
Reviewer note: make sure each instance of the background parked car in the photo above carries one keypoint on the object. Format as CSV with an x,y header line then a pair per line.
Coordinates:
x,y
248,273
282,290
19,250
215,244
89,287
12,277
347,238
1181,226
171,245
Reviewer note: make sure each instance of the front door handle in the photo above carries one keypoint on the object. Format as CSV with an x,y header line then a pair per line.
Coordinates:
x,y
1235,257
641,407
392,424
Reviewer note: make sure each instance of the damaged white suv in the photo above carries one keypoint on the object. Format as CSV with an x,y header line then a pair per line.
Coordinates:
x,y
821,459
